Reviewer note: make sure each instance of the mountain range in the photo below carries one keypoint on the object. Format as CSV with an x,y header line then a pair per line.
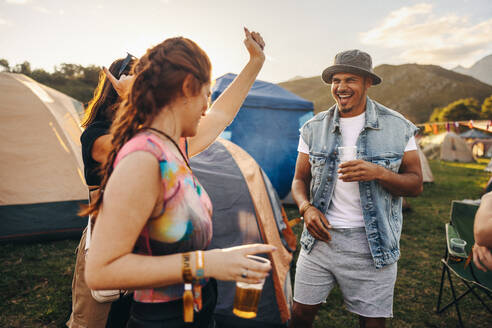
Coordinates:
x,y
412,89
481,70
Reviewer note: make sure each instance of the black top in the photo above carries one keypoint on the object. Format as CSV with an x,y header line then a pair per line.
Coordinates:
x,y
95,130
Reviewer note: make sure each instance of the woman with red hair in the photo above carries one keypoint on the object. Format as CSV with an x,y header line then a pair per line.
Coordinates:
x,y
155,211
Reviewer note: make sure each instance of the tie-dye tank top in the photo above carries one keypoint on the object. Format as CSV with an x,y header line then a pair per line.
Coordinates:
x,y
184,223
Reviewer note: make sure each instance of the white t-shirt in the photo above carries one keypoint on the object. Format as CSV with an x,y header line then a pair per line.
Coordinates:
x,y
345,210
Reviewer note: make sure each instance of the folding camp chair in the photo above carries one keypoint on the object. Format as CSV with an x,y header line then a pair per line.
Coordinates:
x,y
461,226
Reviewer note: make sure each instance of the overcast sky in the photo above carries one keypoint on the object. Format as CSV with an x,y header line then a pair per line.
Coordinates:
x,y
302,36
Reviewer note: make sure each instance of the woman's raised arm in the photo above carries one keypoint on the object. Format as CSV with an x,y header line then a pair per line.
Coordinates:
x,y
226,107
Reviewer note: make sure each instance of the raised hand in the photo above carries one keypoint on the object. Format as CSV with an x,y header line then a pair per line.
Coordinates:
x,y
231,263
255,44
121,85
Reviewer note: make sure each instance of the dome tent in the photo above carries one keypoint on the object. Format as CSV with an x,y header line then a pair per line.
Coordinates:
x,y
40,161
475,134
247,210
267,127
455,149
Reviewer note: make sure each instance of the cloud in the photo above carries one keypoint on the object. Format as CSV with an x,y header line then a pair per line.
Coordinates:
x,y
32,5
5,22
42,10
424,37
17,2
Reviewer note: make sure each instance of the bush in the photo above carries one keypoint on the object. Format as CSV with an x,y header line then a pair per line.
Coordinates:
x,y
74,80
435,114
487,108
461,110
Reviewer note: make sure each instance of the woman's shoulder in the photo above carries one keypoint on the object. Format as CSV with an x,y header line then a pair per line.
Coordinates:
x,y
142,142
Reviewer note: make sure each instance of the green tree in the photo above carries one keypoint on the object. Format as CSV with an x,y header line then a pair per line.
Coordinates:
x,y
41,76
74,80
90,74
487,108
435,114
5,64
461,110
70,70
24,68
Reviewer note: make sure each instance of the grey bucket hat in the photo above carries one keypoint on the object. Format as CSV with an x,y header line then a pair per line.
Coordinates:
x,y
351,61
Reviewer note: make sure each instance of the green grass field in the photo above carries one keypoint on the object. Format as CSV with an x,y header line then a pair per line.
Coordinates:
x,y
35,278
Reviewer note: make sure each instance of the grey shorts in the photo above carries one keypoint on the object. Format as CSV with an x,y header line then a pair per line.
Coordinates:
x,y
346,260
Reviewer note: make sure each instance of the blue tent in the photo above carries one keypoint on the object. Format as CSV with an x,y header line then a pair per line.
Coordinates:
x,y
267,127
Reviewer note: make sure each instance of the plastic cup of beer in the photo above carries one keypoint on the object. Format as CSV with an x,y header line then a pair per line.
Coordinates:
x,y
248,295
347,153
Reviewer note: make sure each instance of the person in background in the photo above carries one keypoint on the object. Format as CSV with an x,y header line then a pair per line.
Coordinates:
x,y
482,231
154,209
96,144
352,210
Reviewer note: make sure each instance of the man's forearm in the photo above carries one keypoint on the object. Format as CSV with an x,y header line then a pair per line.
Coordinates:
x,y
401,184
300,192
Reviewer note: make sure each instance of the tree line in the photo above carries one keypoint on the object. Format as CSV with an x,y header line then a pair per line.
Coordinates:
x,y
75,80
463,110
80,81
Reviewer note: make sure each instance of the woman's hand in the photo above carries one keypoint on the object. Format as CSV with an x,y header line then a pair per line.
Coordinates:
x,y
233,264
225,108
255,44
121,85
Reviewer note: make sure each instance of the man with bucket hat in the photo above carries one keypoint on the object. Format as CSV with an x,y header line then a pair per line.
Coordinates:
x,y
352,205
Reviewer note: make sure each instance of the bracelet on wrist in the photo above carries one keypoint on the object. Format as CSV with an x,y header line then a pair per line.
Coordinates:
x,y
186,268
198,281
200,271
187,293
304,207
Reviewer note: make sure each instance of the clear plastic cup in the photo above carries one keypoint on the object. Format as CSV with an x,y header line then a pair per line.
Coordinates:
x,y
347,153
458,245
248,295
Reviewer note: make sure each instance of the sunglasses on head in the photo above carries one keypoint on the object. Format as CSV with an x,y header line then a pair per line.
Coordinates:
x,y
127,60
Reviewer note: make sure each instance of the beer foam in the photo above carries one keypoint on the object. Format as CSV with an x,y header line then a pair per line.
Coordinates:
x,y
245,285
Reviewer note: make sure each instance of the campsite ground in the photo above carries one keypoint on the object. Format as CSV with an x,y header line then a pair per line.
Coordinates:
x,y
35,278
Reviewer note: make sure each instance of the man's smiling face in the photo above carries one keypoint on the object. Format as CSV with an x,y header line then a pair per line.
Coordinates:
x,y
350,92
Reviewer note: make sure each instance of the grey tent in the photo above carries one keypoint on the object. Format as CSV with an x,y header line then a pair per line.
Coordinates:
x,y
247,210
455,149
475,134
40,161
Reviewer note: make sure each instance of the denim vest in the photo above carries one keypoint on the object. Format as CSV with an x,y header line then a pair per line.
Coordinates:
x,y
382,141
